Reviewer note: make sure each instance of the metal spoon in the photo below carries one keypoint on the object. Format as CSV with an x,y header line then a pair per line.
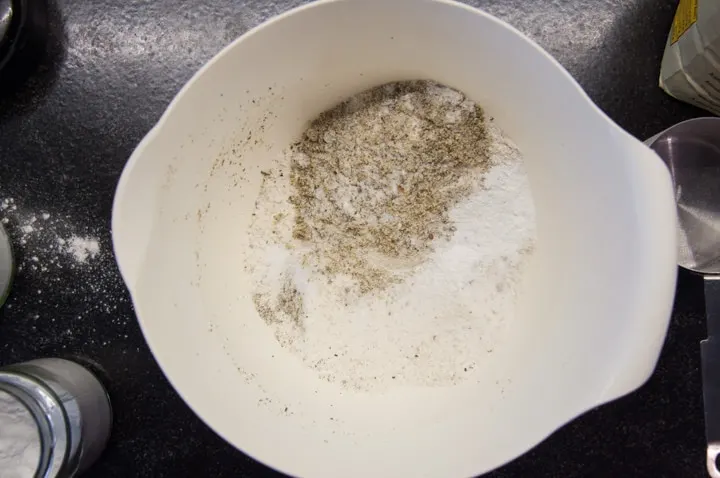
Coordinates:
x,y
691,150
6,265
6,14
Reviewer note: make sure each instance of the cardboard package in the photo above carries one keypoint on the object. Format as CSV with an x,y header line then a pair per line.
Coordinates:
x,y
690,68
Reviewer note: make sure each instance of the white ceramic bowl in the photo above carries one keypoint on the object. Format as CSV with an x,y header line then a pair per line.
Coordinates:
x,y
596,302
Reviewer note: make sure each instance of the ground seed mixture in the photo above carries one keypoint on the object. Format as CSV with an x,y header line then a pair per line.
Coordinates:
x,y
388,243
378,174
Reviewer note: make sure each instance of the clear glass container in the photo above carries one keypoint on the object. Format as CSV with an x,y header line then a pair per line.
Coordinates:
x,y
55,419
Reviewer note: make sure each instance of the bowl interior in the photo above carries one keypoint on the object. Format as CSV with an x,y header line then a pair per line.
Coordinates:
x,y
193,183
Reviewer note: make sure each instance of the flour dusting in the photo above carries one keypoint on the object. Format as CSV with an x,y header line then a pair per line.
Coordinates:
x,y
52,252
82,248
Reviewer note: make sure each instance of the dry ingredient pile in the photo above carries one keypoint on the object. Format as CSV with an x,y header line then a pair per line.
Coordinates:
x,y
379,173
388,243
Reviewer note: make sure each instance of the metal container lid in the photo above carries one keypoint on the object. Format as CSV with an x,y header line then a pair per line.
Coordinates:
x,y
20,446
6,264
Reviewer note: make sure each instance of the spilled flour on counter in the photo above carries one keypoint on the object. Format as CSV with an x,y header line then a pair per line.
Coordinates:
x,y
34,228
81,248
74,281
388,245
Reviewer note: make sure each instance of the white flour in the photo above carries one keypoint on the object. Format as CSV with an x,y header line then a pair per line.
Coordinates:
x,y
52,252
81,248
32,227
19,439
432,329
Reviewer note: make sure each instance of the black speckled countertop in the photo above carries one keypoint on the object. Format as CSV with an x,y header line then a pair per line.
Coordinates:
x,y
107,74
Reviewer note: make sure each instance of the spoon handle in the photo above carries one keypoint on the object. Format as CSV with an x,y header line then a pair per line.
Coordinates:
x,y
6,265
710,352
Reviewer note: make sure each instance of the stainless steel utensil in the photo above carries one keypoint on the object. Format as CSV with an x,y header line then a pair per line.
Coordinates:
x,y
6,14
6,264
691,150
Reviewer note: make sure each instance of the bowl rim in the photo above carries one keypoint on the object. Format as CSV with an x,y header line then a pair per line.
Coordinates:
x,y
169,369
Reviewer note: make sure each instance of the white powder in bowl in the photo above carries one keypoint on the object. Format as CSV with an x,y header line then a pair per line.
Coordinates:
x,y
436,321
